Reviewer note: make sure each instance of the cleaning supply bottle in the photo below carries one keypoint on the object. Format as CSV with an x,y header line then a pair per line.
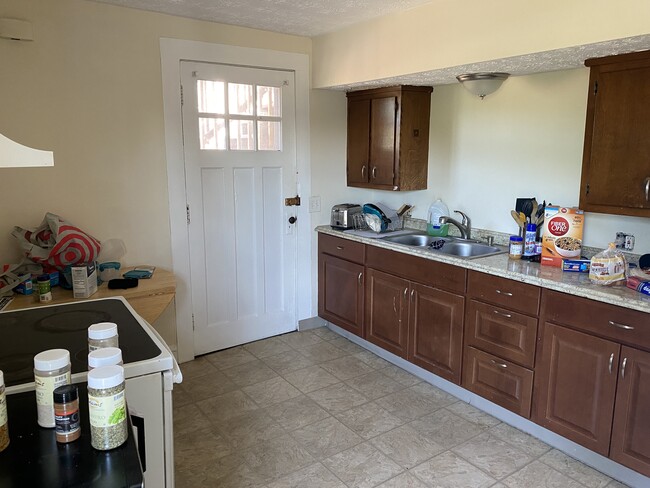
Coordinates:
x,y
436,210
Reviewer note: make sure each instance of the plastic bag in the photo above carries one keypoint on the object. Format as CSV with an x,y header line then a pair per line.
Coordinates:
x,y
608,267
57,243
12,275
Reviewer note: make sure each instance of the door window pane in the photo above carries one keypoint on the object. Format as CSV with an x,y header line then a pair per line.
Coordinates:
x,y
242,135
211,96
269,102
212,133
240,99
269,135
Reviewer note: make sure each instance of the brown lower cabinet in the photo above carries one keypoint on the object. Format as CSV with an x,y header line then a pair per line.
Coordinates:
x,y
577,385
631,429
436,331
387,311
340,293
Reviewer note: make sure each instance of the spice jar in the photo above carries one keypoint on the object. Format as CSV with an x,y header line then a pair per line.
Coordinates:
x,y
107,356
516,248
4,426
107,407
51,370
44,288
103,334
66,414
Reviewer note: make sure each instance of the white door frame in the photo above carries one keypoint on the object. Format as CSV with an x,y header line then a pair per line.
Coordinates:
x,y
172,52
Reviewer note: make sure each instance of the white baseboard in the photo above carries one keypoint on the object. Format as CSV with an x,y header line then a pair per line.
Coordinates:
x,y
582,454
311,323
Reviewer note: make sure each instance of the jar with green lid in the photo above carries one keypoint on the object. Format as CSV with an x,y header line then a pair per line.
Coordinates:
x,y
103,334
107,407
51,370
4,426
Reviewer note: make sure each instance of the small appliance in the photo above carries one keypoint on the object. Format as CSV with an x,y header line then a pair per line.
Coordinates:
x,y
342,215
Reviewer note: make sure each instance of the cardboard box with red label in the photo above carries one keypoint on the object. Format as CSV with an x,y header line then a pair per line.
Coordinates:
x,y
562,234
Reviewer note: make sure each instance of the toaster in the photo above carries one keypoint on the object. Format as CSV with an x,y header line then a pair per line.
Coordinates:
x,y
343,215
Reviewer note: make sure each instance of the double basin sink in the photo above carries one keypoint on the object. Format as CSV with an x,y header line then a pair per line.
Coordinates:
x,y
452,246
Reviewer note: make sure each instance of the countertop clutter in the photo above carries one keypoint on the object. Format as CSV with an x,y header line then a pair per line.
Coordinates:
x,y
34,458
526,272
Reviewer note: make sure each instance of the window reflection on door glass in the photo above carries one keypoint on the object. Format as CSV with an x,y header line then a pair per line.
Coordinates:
x,y
212,133
211,96
269,102
269,135
240,99
242,135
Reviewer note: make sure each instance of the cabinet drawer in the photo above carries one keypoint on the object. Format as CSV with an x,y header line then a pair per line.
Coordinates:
x,y
499,331
501,291
499,381
425,271
623,325
341,248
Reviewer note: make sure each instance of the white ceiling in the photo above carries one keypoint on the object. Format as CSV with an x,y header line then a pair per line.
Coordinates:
x,y
307,18
314,17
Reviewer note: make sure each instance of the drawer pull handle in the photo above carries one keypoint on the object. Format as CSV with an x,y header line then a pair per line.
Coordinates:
x,y
623,368
363,172
405,292
412,293
359,278
506,293
506,315
340,248
395,304
374,172
621,326
497,363
611,362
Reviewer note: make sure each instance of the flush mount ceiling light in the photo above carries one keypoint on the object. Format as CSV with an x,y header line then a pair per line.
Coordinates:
x,y
482,84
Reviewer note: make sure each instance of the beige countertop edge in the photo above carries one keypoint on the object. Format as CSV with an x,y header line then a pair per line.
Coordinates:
x,y
532,273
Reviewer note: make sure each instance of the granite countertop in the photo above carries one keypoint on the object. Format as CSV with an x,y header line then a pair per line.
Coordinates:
x,y
533,273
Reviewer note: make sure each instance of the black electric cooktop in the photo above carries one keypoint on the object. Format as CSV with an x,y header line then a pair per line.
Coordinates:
x,y
25,333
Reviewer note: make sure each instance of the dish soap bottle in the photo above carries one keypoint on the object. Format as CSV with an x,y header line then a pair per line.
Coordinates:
x,y
436,210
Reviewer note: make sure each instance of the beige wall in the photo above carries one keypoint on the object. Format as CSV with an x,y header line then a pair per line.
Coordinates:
x,y
524,140
89,88
446,33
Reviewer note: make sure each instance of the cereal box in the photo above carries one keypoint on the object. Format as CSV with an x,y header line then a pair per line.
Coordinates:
x,y
562,234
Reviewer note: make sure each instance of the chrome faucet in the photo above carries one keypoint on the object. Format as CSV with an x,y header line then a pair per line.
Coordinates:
x,y
465,227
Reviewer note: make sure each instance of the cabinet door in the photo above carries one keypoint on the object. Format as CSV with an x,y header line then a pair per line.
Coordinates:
x,y
576,385
340,293
358,141
386,316
631,430
383,140
616,162
436,331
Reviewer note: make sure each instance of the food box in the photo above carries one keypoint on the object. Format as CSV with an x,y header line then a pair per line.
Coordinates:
x,y
84,280
561,234
576,265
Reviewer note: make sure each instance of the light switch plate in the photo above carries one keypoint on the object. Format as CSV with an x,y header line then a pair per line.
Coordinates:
x,y
314,204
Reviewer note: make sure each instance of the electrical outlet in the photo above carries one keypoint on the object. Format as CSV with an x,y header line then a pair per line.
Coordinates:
x,y
314,204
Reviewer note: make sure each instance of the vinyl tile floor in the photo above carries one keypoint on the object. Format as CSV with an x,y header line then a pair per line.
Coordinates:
x,y
314,410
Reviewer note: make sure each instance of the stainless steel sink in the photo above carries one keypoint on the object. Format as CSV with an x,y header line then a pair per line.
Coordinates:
x,y
447,245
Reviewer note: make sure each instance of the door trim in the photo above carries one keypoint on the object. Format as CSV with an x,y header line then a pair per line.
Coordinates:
x,y
172,52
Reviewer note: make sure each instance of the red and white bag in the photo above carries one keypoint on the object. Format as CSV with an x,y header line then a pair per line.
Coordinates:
x,y
57,243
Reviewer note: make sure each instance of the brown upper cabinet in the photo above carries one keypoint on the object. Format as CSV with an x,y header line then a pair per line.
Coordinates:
x,y
388,138
616,157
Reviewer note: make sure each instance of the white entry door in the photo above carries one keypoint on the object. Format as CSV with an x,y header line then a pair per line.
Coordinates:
x,y
240,164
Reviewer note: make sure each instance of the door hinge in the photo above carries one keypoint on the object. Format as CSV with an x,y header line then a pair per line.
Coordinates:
x,y
587,192
193,322
187,213
595,87
181,95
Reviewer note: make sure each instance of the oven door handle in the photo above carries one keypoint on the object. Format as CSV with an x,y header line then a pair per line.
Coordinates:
x,y
138,423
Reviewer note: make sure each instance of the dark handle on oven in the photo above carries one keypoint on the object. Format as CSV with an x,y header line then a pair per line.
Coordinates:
x,y
138,423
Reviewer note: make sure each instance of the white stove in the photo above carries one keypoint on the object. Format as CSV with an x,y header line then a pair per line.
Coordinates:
x,y
149,367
